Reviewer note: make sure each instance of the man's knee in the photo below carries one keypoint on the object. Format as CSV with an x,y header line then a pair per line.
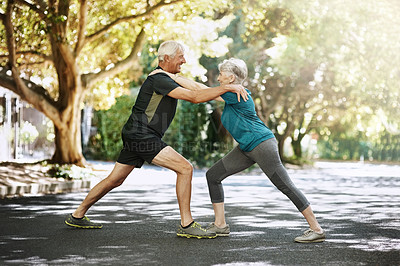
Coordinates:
x,y
115,179
185,168
113,183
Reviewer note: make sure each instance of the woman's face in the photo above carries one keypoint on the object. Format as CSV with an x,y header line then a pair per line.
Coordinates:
x,y
225,78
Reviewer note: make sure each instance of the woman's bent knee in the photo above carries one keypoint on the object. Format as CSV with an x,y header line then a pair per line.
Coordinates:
x,y
216,173
211,177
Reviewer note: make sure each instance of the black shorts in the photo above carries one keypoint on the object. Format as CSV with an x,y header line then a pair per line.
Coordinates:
x,y
136,152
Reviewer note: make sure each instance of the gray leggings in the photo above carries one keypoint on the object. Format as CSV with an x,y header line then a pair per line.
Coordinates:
x,y
266,155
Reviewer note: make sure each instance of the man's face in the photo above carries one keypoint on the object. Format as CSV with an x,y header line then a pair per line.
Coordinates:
x,y
174,63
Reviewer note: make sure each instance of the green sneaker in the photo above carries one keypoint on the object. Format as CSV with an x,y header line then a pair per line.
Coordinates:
x,y
310,236
224,231
195,230
84,223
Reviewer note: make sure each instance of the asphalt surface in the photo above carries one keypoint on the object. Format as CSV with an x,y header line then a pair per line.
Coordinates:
x,y
358,206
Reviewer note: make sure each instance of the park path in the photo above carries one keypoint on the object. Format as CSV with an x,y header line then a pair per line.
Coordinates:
x,y
357,204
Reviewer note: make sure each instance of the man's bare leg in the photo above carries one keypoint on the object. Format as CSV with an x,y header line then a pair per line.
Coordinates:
x,y
113,180
172,160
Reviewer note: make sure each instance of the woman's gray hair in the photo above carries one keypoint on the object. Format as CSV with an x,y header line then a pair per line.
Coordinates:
x,y
169,48
236,67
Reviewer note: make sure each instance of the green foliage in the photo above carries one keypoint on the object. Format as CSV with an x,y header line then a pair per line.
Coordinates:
x,y
341,148
387,148
193,134
107,143
69,171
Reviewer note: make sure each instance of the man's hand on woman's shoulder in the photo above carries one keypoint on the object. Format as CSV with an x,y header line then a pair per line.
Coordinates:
x,y
239,90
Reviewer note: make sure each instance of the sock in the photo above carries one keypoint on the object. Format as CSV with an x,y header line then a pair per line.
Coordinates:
x,y
77,218
185,227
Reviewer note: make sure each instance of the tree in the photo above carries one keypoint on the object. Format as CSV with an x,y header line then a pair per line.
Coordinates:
x,y
55,53
326,59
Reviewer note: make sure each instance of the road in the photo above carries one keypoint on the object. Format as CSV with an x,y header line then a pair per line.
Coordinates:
x,y
357,204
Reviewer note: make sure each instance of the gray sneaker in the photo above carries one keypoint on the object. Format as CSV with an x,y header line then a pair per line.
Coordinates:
x,y
84,223
310,236
224,231
195,230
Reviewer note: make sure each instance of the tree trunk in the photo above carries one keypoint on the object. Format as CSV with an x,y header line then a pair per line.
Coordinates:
x,y
67,128
281,143
296,145
281,138
67,141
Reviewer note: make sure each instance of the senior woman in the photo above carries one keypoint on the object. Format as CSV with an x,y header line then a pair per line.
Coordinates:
x,y
257,144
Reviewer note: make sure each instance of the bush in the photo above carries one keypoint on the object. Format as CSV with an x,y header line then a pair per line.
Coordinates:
x,y
69,171
106,144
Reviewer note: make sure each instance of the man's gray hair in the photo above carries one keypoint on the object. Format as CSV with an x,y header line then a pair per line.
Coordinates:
x,y
169,48
236,67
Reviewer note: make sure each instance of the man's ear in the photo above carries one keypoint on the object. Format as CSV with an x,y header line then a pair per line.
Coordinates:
x,y
166,58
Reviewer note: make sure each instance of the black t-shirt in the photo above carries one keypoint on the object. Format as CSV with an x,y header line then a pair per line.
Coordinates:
x,y
154,109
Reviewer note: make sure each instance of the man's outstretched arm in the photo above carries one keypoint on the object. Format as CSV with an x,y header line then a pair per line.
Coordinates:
x,y
193,85
206,94
196,93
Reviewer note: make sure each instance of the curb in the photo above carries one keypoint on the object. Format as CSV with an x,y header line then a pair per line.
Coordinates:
x,y
59,185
